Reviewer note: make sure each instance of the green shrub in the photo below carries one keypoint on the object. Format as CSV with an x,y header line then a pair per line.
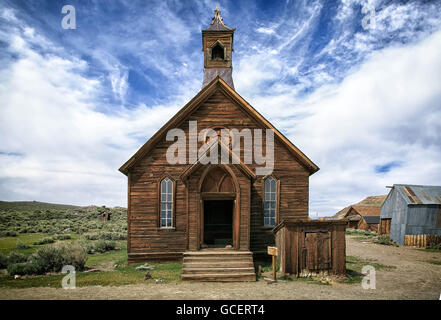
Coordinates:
x,y
24,268
102,246
44,241
63,237
16,257
3,261
360,232
20,245
91,236
87,246
8,233
385,239
52,258
106,236
435,246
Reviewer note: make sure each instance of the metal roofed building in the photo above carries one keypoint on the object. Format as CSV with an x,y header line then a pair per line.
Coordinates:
x,y
411,210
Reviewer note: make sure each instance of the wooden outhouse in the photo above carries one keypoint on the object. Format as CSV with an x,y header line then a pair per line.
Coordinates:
x,y
311,247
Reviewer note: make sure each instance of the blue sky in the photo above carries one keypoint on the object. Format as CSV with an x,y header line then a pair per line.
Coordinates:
x,y
362,103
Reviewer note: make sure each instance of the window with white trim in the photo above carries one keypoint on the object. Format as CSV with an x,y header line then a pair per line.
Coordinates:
x,y
166,203
270,202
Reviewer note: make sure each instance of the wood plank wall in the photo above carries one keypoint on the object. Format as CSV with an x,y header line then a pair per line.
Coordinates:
x,y
147,239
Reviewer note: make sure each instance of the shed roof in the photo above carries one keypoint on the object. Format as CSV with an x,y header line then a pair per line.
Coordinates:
x,y
372,219
418,194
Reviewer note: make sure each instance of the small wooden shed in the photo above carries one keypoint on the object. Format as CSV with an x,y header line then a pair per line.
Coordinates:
x,y
311,247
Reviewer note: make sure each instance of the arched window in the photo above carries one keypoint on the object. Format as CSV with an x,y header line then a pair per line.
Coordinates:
x,y
270,203
217,53
166,203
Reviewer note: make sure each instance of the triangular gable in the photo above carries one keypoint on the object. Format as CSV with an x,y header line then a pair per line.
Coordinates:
x,y
351,212
224,149
363,211
193,104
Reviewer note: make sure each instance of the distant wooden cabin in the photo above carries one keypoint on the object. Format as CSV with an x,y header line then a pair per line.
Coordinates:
x,y
178,208
363,217
106,216
371,201
411,210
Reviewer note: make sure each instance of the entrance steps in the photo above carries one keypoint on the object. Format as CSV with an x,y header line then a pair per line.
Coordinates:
x,y
218,265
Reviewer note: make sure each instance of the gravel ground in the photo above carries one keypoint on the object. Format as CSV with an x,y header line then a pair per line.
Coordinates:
x,y
413,278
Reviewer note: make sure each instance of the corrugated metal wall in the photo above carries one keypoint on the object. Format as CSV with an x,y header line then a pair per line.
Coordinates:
x,y
412,219
395,207
422,219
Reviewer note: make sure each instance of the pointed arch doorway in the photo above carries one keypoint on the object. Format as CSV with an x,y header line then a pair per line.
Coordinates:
x,y
219,227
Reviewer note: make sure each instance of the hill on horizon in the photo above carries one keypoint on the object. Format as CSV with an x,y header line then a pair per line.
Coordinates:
x,y
34,205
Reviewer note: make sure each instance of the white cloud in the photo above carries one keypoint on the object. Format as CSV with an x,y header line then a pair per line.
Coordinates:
x,y
265,30
385,111
59,148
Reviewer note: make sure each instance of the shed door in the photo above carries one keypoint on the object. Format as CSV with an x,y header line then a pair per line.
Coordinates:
x,y
318,251
385,226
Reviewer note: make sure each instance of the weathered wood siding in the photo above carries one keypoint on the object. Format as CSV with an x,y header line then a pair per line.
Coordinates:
x,y
307,247
146,240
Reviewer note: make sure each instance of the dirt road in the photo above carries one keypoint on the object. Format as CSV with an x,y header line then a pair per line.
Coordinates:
x,y
413,278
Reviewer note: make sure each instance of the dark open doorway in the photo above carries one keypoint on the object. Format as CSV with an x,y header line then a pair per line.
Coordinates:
x,y
218,223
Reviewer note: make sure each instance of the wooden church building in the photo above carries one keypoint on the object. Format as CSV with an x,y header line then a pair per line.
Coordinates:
x,y
221,214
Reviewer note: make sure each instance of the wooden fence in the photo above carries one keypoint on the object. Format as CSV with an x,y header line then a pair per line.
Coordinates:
x,y
421,240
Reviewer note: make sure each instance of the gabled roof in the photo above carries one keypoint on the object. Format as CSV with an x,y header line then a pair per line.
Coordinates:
x,y
367,211
362,211
375,201
417,194
216,84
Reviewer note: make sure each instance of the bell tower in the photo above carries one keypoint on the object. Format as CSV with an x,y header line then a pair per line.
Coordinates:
x,y
217,45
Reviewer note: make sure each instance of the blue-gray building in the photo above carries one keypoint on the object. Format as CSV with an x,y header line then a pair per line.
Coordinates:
x,y
411,210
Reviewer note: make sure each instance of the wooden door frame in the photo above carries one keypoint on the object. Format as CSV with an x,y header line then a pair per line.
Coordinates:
x,y
235,196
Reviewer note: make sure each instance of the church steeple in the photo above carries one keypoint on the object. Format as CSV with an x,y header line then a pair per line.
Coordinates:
x,y
217,44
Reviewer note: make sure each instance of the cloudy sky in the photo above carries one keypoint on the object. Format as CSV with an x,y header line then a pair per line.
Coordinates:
x,y
357,90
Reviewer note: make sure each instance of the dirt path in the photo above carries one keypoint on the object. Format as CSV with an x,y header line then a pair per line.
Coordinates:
x,y
413,278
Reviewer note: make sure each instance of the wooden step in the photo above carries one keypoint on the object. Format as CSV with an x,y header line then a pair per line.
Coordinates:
x,y
216,260
221,277
218,255
218,265
218,270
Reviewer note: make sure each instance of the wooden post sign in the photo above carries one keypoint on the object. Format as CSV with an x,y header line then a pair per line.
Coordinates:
x,y
272,251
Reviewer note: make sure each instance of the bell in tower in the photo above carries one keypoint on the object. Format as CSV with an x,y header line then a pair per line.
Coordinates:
x,y
217,44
